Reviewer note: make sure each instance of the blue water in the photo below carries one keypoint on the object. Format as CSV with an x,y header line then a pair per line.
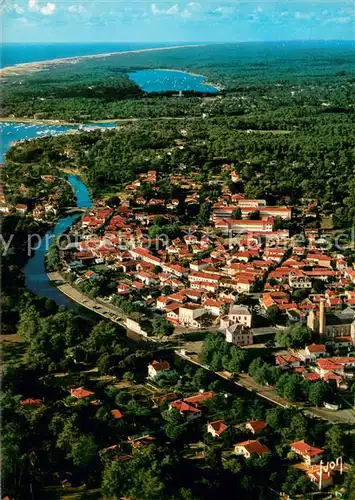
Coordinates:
x,y
160,80
14,131
35,273
16,53
36,278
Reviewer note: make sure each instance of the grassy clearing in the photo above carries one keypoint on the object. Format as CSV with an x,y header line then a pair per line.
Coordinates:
x,y
12,349
326,222
72,493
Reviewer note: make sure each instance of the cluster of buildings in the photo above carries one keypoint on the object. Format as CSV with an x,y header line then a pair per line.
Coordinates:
x,y
315,363
46,206
288,291
202,273
307,458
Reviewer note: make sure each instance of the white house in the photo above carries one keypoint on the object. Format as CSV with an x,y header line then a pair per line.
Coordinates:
x,y
156,367
216,428
250,447
240,314
309,454
297,279
189,315
239,335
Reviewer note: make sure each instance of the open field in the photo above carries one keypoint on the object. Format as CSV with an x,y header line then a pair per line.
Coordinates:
x,y
12,349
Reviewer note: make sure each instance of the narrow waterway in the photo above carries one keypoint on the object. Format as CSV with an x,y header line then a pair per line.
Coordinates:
x,y
36,278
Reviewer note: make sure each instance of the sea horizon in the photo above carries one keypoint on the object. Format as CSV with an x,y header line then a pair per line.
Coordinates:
x,y
14,53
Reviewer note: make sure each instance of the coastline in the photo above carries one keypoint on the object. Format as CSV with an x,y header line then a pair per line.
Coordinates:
x,y
39,65
205,81
116,121
34,121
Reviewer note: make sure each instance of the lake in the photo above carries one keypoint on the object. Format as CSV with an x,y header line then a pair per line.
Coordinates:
x,y
163,80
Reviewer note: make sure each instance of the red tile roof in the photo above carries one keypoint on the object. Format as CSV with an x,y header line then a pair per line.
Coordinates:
x,y
305,449
218,426
316,348
312,377
344,360
116,414
285,359
254,446
257,425
332,376
160,365
299,369
199,398
80,393
328,364
344,339
31,401
184,407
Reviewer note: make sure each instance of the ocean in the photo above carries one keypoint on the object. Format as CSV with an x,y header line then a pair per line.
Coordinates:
x,y
16,53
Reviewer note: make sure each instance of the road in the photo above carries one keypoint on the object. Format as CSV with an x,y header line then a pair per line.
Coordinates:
x,y
268,393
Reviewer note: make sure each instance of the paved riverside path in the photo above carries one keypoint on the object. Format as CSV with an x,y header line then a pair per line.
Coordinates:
x,y
107,311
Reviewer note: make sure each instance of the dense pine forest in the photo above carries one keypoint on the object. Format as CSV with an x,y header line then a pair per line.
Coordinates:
x,y
97,89
273,150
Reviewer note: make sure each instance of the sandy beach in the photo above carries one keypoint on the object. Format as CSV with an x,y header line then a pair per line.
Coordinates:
x,y
38,66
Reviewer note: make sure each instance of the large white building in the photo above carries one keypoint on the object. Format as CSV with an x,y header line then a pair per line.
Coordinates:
x,y
238,334
236,325
245,225
189,315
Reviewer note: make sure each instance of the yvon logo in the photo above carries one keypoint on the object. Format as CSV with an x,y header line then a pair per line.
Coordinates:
x,y
328,467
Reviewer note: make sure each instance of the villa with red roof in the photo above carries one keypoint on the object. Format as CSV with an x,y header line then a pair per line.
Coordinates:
x,y
80,393
325,366
198,399
323,481
256,426
250,447
156,367
287,361
216,428
310,454
190,412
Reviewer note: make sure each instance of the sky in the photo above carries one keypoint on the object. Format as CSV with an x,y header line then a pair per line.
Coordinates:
x,y
175,21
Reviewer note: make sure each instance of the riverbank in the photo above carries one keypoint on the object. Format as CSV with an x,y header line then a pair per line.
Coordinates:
x,y
114,121
33,67
37,121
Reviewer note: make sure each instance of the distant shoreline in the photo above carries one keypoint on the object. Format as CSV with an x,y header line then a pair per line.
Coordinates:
x,y
31,67
38,121
205,82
